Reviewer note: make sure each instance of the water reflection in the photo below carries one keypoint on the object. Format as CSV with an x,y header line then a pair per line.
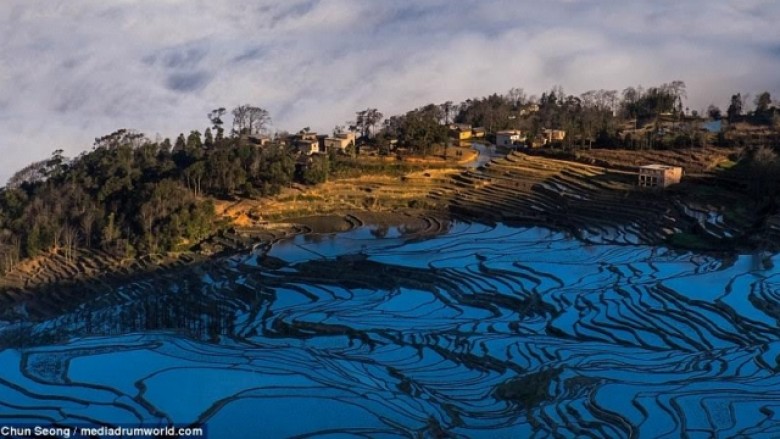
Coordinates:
x,y
480,332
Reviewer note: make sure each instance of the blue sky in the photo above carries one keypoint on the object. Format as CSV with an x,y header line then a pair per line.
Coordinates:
x,y
73,70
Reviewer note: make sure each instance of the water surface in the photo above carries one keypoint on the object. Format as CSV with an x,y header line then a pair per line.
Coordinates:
x,y
484,331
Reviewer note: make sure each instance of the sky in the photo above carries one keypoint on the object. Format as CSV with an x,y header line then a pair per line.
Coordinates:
x,y
74,70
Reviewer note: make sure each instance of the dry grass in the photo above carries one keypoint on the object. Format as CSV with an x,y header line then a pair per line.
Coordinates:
x,y
696,160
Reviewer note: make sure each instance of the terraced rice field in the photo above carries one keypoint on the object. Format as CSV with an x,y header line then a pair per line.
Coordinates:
x,y
480,331
599,205
694,160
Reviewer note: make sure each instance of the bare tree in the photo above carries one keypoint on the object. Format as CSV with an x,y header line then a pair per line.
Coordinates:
x,y
517,97
447,109
10,252
678,91
248,119
240,119
87,223
259,119
367,120
70,238
215,117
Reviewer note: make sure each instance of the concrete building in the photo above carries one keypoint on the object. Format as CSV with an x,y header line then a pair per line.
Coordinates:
x,y
554,136
509,138
308,147
254,139
306,142
461,131
260,140
659,176
339,141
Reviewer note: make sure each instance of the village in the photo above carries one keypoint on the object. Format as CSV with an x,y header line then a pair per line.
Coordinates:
x,y
308,145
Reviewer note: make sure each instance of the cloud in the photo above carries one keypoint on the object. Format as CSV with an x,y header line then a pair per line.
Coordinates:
x,y
188,82
74,70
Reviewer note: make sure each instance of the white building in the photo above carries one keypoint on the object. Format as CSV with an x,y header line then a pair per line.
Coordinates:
x,y
659,175
509,138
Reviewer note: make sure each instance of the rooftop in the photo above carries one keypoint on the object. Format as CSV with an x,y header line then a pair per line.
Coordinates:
x,y
658,167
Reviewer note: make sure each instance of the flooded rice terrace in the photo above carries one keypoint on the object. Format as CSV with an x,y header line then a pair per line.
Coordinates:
x,y
482,331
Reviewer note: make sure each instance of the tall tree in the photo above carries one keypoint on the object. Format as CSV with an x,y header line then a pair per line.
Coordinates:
x,y
763,101
367,120
735,108
714,112
259,119
215,117
447,109
249,119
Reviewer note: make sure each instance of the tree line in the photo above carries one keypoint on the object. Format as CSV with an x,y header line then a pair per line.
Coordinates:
x,y
131,195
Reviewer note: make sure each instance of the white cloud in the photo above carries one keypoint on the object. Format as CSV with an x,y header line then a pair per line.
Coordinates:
x,y
73,70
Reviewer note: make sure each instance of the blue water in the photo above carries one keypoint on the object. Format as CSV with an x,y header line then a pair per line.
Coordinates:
x,y
713,126
483,331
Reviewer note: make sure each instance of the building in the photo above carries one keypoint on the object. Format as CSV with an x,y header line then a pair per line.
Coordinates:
x,y
509,138
308,147
331,143
478,132
554,136
529,109
260,140
303,135
538,141
348,135
461,131
339,141
254,139
306,142
659,175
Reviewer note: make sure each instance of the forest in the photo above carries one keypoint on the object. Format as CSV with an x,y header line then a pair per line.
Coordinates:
x,y
131,195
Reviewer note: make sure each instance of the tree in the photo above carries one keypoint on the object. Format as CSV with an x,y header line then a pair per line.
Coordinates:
x,y
69,240
677,89
248,119
764,172
87,223
110,232
516,97
317,170
208,139
194,145
763,113
215,117
763,101
735,108
29,175
181,143
714,112
259,119
193,175
240,119
33,243
447,109
366,121
420,129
